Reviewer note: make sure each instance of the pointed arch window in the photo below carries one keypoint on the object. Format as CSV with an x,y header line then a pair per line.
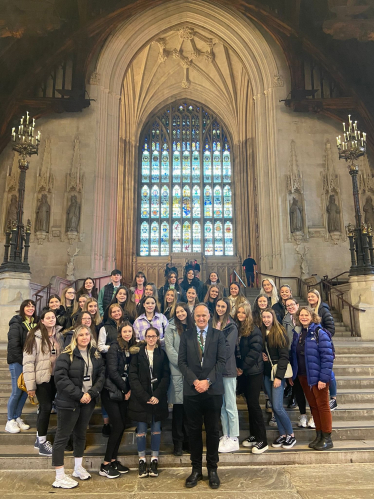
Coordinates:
x,y
186,197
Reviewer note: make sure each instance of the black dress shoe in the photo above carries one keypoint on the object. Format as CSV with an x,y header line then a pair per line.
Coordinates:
x,y
192,480
178,451
214,481
292,404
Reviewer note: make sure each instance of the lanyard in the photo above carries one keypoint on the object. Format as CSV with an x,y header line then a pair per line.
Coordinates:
x,y
87,364
150,367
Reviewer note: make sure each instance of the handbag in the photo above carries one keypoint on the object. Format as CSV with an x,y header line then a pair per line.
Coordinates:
x,y
22,386
287,374
115,393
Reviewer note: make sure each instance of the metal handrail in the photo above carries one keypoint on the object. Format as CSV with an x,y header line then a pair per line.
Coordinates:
x,y
336,277
238,276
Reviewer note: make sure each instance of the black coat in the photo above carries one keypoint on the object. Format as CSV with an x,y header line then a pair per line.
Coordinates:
x,y
141,390
280,310
279,356
197,284
162,292
327,320
63,316
250,347
117,364
69,378
16,340
214,363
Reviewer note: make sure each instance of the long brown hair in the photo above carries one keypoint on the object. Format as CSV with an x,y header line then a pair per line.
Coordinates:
x,y
30,338
277,334
245,327
24,304
207,296
96,318
226,316
178,323
125,345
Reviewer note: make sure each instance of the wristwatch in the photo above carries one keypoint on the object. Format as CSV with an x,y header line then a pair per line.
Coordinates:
x,y
208,380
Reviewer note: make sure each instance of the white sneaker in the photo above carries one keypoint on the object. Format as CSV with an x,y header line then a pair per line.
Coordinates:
x,y
81,473
64,482
22,425
222,443
12,426
231,445
303,421
311,423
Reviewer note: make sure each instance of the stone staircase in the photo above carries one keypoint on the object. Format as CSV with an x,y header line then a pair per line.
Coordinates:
x,y
353,425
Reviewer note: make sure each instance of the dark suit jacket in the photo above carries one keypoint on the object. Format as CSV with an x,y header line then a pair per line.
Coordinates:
x,y
214,361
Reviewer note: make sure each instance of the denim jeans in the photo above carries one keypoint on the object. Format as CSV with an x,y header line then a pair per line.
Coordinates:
x,y
333,387
276,399
155,437
229,411
17,398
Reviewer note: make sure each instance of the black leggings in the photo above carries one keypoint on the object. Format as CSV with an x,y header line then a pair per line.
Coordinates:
x,y
45,393
298,393
252,385
117,416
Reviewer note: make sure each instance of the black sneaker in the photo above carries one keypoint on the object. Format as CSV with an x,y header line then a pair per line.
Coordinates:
x,y
108,471
153,469
333,404
143,472
259,448
117,465
106,430
278,442
289,442
249,441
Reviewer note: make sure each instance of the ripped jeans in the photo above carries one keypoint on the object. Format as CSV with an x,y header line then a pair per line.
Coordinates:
x,y
155,437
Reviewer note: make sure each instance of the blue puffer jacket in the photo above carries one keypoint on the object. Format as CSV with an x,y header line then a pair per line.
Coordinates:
x,y
319,355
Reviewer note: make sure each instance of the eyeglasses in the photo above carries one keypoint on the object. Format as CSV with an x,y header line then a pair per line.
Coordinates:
x,y
151,337
290,306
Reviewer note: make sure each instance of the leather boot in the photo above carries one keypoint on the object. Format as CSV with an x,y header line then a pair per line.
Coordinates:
x,y
316,440
178,451
325,442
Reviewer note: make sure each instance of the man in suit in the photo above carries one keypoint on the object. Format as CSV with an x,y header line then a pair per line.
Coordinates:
x,y
202,360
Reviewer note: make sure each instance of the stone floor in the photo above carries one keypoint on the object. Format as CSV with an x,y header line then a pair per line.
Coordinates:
x,y
349,481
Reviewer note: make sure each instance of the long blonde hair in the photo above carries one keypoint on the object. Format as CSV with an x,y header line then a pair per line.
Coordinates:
x,y
76,304
173,305
246,327
74,343
63,297
274,292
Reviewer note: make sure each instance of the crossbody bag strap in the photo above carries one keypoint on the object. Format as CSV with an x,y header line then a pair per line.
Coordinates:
x,y
267,351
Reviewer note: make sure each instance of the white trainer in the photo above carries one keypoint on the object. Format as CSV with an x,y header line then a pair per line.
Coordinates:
x,y
81,473
64,482
222,443
303,421
22,425
231,445
12,426
311,423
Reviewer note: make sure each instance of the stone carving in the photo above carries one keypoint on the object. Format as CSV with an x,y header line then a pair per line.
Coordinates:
x,y
369,211
278,81
73,215
95,79
365,177
302,251
42,215
296,218
333,215
70,267
12,210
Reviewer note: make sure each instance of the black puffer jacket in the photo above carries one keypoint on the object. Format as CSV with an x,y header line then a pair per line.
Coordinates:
x,y
69,378
16,340
250,347
327,320
196,283
279,356
117,364
162,292
280,310
140,384
63,316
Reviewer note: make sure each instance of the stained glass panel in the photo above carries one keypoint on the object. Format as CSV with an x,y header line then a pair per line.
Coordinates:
x,y
208,238
155,166
176,202
155,202
186,237
207,167
165,166
196,236
216,167
145,202
145,165
186,201
144,239
226,166
154,239
176,237
186,167
217,202
176,166
227,202
218,239
229,246
164,239
165,202
196,201
195,167
208,202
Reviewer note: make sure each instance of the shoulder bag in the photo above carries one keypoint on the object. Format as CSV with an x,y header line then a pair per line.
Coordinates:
x,y
288,373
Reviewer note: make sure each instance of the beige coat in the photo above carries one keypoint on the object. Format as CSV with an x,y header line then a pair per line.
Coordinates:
x,y
37,366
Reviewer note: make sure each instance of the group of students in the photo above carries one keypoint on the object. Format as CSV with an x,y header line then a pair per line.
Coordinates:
x,y
124,345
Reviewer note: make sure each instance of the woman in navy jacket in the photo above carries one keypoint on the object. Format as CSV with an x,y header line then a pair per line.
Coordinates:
x,y
312,359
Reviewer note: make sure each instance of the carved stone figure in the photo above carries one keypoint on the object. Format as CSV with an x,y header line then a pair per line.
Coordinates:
x,y
43,212
73,215
333,215
369,212
12,210
70,266
296,219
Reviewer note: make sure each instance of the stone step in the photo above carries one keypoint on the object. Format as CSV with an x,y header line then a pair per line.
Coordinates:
x,y
353,348
354,370
355,382
349,359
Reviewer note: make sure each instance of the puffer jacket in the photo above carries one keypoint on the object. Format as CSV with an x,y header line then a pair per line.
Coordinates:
x,y
117,364
327,320
250,347
196,283
319,355
63,316
280,310
16,340
172,341
230,332
69,378
290,327
37,365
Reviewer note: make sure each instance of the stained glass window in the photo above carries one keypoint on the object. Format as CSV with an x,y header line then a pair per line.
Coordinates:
x,y
186,198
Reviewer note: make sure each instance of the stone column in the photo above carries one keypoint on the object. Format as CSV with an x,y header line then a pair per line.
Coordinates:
x,y
14,288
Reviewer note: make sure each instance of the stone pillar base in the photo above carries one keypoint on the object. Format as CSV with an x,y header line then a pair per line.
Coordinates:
x,y
14,288
361,295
